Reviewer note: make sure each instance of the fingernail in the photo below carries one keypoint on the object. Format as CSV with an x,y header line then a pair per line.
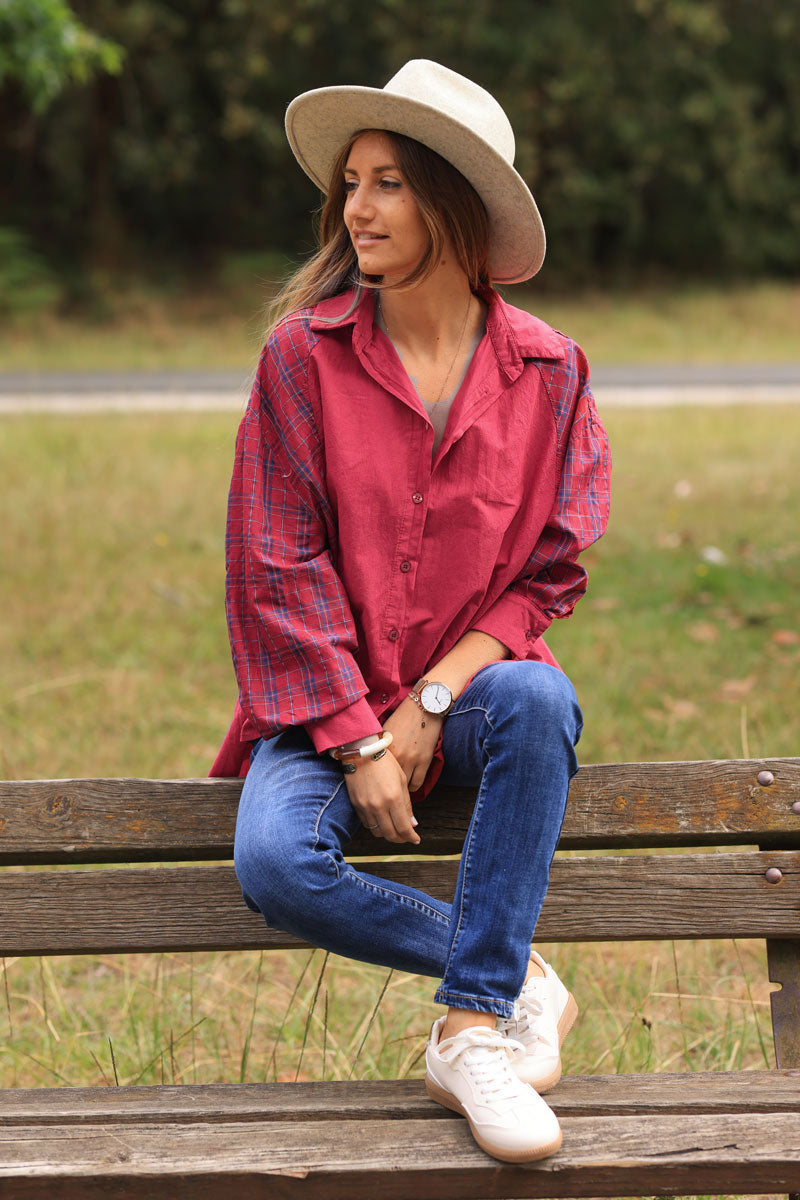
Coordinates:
x,y
414,821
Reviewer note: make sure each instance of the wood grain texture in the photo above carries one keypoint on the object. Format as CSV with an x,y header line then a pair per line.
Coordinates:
x,y
610,805
712,1092
783,964
590,899
394,1160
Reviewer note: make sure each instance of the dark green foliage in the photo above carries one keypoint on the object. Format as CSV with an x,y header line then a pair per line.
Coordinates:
x,y
657,134
43,47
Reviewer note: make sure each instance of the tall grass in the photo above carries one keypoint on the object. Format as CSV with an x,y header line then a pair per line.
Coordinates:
x,y
207,1018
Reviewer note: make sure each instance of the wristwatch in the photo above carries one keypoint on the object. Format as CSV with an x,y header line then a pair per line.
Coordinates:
x,y
431,697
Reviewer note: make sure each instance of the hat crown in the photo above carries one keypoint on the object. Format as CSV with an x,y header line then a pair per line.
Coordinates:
x,y
430,83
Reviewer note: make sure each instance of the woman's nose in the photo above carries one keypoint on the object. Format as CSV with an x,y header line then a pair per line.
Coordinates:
x,y
358,204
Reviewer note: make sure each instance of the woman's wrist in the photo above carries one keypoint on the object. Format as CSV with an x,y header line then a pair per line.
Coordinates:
x,y
372,749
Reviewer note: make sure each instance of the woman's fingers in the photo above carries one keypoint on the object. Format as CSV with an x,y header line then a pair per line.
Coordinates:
x,y
379,794
396,826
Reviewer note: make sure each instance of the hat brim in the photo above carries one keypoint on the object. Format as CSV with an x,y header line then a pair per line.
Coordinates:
x,y
320,122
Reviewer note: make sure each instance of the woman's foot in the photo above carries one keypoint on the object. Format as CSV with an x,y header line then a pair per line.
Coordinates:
x,y
543,1016
471,1073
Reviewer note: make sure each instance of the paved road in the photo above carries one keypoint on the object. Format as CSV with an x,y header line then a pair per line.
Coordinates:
x,y
627,386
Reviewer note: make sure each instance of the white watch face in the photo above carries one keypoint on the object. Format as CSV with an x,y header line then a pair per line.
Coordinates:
x,y
436,697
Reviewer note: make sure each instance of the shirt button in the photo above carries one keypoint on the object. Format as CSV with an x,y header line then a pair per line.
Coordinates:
x,y
384,697
405,566
394,634
529,635
417,497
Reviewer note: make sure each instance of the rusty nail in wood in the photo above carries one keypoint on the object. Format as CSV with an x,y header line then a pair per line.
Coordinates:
x,y
766,778
773,875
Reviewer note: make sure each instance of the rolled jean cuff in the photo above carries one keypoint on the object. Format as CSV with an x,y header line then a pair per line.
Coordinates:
x,y
487,1004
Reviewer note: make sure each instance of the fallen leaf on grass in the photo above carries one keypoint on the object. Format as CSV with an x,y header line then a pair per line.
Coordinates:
x,y
682,709
786,637
703,631
736,690
604,603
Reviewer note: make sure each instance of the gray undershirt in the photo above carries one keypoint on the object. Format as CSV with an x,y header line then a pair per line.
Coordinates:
x,y
437,410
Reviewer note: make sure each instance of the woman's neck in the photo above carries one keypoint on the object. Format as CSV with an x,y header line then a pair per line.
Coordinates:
x,y
430,320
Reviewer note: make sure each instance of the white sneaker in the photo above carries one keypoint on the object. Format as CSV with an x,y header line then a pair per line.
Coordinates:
x,y
471,1074
543,1016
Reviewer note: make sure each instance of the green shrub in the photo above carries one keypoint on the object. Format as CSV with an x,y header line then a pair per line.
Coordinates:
x,y
27,285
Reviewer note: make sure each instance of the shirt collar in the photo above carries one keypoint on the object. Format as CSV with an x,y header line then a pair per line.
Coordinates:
x,y
515,335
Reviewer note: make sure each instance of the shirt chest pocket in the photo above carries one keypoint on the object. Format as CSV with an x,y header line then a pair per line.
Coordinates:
x,y
489,463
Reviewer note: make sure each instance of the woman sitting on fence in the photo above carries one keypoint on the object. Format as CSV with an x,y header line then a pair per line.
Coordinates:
x,y
418,469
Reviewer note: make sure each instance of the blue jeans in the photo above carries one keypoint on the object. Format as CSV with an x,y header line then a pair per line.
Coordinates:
x,y
512,734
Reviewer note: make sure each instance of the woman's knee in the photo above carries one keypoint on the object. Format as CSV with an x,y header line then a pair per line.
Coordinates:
x,y
266,865
540,696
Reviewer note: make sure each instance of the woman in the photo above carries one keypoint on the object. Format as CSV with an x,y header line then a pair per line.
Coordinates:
x,y
418,469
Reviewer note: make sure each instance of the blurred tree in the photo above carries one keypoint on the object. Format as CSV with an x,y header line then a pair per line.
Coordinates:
x,y
655,133
43,49
43,46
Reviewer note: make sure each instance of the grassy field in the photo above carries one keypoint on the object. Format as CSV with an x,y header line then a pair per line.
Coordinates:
x,y
219,323
115,661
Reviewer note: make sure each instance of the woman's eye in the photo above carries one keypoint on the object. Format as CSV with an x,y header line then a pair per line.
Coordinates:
x,y
350,185
390,183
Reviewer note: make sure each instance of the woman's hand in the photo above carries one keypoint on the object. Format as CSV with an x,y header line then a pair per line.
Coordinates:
x,y
413,744
379,794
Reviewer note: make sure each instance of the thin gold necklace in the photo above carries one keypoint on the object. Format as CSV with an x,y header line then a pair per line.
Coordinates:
x,y
458,347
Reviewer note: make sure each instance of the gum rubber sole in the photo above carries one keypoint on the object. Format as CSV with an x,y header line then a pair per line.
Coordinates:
x,y
516,1156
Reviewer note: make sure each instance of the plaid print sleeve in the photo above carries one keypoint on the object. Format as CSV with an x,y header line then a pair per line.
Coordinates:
x,y
291,629
553,581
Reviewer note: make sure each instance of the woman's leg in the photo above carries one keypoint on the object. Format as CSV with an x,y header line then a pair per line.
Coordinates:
x,y
294,818
513,731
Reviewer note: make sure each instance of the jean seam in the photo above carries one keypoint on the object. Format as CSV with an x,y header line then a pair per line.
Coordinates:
x,y
500,1008
385,891
468,848
473,996
472,708
323,809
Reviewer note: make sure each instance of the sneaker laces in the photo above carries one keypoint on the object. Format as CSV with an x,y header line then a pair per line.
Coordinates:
x,y
527,1011
487,1056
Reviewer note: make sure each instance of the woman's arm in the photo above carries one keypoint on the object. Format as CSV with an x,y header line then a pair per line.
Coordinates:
x,y
291,628
552,581
414,744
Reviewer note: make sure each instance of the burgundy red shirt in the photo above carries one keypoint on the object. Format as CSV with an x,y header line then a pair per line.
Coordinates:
x,y
357,557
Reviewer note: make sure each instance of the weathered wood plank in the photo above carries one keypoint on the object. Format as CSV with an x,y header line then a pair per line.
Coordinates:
x,y
783,961
616,804
710,1092
429,1160
590,899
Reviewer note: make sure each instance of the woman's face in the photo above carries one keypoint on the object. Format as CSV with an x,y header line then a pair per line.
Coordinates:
x,y
380,212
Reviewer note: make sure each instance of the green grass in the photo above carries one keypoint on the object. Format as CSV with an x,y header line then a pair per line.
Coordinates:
x,y
219,323
113,640
115,662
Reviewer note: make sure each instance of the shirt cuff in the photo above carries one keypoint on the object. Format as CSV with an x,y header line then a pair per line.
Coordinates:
x,y
515,622
346,725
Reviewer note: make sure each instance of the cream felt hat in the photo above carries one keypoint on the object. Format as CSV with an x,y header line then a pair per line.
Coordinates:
x,y
453,116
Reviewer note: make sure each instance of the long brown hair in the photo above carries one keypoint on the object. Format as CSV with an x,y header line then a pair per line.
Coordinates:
x,y
448,204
